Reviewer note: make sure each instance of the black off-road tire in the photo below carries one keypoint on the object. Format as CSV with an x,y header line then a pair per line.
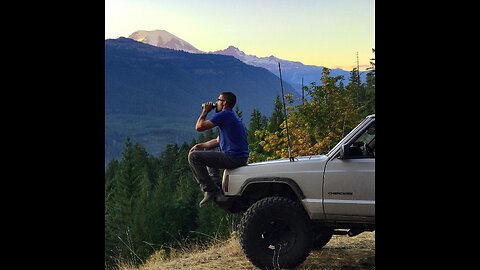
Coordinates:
x,y
321,237
276,233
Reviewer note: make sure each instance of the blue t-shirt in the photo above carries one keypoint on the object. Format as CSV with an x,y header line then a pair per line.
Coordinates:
x,y
231,132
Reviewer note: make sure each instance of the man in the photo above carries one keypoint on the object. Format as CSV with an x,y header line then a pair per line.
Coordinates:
x,y
231,138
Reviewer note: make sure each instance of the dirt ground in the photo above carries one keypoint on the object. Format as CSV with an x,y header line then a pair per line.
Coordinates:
x,y
341,253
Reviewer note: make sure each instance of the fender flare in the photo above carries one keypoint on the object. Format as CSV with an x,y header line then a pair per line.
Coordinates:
x,y
274,180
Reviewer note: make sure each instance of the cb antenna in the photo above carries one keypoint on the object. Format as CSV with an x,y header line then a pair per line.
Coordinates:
x,y
285,113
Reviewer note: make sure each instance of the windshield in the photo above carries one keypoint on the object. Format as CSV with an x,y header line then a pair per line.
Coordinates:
x,y
342,141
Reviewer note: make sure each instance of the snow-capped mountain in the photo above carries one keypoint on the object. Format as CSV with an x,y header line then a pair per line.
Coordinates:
x,y
162,38
292,71
270,62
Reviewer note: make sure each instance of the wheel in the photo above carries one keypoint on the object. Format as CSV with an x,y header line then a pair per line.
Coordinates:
x,y
321,237
275,233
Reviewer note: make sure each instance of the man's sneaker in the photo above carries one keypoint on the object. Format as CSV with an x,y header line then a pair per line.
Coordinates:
x,y
209,195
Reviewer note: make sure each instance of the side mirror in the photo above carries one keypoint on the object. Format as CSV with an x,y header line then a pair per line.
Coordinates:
x,y
344,151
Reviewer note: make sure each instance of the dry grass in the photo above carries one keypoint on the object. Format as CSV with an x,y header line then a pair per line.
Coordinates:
x,y
344,253
341,253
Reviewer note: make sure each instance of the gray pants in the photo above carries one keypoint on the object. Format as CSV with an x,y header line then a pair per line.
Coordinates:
x,y
206,167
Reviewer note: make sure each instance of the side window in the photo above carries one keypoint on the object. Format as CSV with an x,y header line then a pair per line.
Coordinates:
x,y
364,146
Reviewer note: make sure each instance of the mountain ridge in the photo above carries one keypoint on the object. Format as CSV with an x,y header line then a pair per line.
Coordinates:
x,y
293,72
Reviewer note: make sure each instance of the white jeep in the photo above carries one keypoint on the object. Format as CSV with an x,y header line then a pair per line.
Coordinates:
x,y
291,206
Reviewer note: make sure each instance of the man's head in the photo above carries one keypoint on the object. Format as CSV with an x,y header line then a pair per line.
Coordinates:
x,y
226,100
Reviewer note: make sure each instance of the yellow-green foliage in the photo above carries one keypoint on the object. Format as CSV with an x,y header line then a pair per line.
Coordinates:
x,y
318,124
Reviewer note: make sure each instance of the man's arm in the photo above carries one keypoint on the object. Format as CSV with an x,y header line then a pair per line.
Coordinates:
x,y
210,144
203,124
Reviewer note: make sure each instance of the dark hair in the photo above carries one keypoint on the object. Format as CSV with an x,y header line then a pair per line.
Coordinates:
x,y
230,98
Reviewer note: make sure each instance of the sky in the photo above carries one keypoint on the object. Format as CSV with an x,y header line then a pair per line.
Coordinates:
x,y
314,32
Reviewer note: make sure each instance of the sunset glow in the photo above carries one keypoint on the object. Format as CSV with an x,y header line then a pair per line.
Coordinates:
x,y
314,32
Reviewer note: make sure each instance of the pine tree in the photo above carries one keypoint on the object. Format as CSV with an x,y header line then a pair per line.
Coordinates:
x,y
181,166
112,169
163,212
239,113
277,116
111,241
186,193
256,123
255,134
110,228
166,164
370,87
354,86
143,223
121,204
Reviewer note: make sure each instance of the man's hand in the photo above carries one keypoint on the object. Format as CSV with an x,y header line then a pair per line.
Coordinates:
x,y
203,124
207,107
196,147
206,145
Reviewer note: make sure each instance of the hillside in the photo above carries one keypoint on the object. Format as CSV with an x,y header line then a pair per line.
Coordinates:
x,y
153,95
342,252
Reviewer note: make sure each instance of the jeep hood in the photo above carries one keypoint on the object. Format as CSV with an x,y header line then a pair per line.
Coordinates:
x,y
281,165
287,160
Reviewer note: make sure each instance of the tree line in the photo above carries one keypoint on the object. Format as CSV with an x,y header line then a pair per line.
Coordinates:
x,y
151,203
